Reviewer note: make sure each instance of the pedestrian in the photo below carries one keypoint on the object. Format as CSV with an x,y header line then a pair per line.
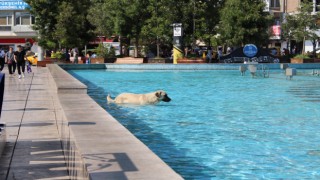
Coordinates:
x,y
28,63
88,59
2,57
20,59
294,50
209,54
186,50
219,53
9,58
229,50
76,55
67,56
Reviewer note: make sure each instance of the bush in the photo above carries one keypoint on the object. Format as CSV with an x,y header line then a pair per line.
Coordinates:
x,y
302,56
58,55
105,52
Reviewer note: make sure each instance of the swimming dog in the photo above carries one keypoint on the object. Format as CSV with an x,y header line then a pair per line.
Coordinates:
x,y
140,99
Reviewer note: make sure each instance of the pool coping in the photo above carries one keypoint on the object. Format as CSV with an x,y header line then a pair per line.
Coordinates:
x,y
96,145
221,66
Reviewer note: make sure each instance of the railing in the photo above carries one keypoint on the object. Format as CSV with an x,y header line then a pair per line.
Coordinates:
x,y
3,137
23,28
1,91
5,28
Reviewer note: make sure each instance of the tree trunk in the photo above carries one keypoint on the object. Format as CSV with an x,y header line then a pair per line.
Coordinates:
x,y
303,45
136,46
158,47
314,44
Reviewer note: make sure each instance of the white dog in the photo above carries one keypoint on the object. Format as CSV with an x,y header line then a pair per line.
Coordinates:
x,y
140,99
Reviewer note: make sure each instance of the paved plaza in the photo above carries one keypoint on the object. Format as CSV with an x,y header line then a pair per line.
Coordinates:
x,y
33,149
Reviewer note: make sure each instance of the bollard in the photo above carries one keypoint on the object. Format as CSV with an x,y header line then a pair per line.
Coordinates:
x,y
242,69
284,66
253,69
290,72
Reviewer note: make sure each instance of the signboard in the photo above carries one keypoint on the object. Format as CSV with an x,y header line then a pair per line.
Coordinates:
x,y
276,32
250,50
13,5
177,29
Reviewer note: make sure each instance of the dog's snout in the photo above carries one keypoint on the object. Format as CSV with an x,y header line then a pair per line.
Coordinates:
x,y
166,98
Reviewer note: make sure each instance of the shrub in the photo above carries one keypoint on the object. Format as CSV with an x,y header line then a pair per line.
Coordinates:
x,y
302,56
59,55
105,52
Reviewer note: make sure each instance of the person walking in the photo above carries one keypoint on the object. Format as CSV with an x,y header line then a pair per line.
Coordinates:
x,y
76,55
209,55
2,56
9,58
20,59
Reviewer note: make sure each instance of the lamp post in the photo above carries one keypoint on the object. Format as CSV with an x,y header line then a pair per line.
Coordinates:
x,y
177,42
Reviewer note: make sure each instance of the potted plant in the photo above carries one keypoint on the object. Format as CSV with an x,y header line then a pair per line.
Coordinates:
x,y
301,58
104,55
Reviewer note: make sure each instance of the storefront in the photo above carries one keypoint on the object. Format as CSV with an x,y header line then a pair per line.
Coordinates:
x,y
15,24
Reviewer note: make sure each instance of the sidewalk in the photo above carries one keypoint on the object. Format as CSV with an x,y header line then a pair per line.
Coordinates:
x,y
33,149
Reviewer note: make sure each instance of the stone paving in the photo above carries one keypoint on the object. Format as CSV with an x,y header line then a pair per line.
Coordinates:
x,y
33,149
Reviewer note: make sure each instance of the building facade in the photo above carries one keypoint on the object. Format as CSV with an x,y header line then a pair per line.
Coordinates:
x,y
15,24
279,9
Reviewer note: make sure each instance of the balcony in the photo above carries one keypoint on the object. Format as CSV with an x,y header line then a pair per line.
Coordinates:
x,y
22,28
5,28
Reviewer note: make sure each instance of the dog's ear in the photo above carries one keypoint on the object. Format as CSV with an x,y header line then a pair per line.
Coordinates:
x,y
158,94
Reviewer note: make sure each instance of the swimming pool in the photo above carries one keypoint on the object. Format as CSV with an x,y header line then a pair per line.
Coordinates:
x,y
220,125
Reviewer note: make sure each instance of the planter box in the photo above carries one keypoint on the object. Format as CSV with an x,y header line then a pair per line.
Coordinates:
x,y
316,60
110,60
188,61
301,60
156,60
102,60
46,61
97,60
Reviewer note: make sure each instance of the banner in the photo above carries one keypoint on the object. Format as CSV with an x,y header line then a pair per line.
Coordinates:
x,y
13,5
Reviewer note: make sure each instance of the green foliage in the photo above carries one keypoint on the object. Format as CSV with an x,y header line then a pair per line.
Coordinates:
x,y
243,21
61,22
59,55
73,23
105,52
302,56
45,13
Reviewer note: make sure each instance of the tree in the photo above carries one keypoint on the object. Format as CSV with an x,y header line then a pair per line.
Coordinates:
x,y
303,25
73,28
99,15
287,28
207,17
45,13
61,22
244,21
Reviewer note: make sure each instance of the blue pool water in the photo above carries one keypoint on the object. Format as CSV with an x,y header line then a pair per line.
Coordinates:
x,y
220,125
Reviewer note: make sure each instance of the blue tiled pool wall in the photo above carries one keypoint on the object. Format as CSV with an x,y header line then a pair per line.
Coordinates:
x,y
180,66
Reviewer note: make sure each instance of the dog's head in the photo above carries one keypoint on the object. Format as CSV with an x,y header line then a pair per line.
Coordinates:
x,y
162,96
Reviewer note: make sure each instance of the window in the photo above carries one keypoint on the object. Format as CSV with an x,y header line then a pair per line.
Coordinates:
x,y
5,19
317,5
275,3
24,18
